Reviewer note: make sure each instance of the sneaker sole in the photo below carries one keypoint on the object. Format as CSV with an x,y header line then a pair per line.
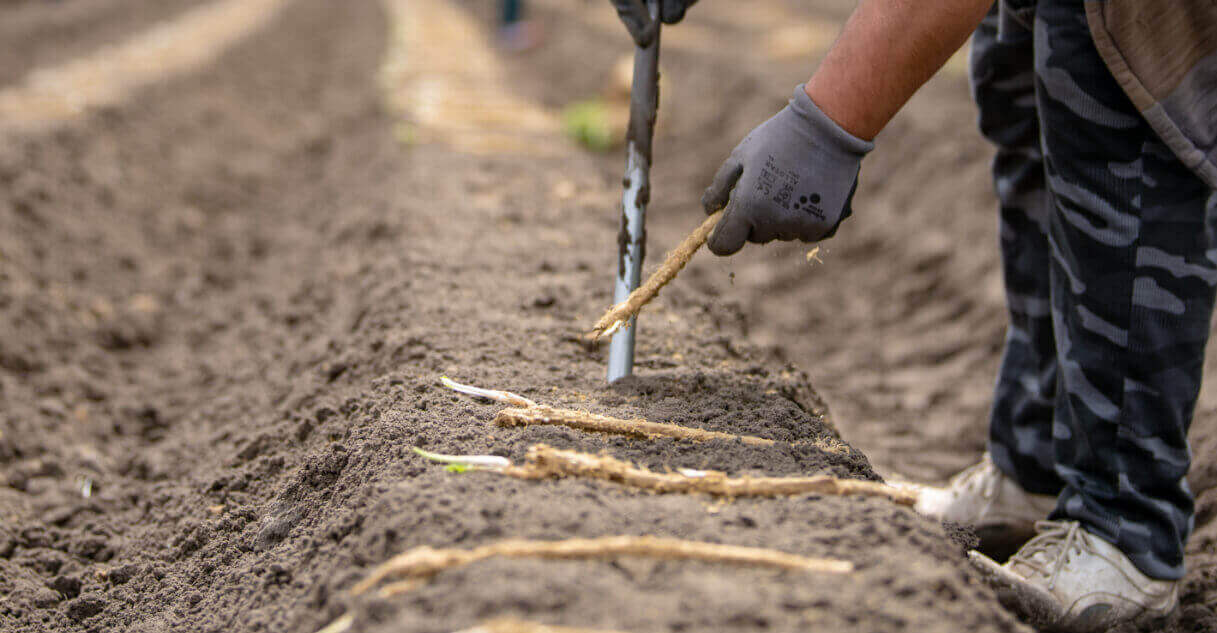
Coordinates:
x,y
1037,607
1041,609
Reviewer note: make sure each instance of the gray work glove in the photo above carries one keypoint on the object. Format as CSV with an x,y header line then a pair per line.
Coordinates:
x,y
792,178
638,20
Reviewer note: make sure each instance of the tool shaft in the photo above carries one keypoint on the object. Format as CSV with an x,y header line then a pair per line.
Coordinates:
x,y
644,102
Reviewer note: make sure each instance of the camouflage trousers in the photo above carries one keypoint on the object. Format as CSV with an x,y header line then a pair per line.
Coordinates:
x,y
1108,256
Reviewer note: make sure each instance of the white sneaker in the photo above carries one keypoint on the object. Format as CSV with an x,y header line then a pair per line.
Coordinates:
x,y
1066,579
985,499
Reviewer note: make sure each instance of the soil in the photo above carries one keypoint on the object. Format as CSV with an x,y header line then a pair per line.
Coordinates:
x,y
225,307
36,33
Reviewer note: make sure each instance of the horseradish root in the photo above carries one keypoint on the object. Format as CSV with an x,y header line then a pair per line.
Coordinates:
x,y
425,561
530,413
584,421
619,315
546,462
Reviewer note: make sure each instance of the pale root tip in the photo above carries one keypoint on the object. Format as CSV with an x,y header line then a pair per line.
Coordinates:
x,y
612,329
839,567
505,397
341,625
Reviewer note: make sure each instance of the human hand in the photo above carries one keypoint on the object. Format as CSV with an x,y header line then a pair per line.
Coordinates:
x,y
637,18
793,177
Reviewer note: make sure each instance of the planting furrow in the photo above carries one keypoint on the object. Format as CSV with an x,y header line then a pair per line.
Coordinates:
x,y
108,76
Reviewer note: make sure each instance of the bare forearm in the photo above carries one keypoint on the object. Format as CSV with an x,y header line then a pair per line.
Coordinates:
x,y
886,51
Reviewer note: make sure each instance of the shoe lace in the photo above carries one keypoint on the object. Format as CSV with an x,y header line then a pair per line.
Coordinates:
x,y
1054,545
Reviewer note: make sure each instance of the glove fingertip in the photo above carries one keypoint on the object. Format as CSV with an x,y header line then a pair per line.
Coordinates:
x,y
729,234
708,200
718,193
673,11
719,248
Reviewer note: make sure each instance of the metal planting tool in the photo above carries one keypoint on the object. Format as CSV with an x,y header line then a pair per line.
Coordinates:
x,y
644,101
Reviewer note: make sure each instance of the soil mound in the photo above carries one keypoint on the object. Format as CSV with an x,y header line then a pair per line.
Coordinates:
x,y
224,311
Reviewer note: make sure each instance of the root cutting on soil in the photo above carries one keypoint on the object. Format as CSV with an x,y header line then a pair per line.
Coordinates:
x,y
511,625
498,625
426,561
545,462
530,413
506,397
643,429
619,315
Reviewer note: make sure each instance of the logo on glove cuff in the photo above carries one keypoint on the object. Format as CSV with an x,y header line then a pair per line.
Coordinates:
x,y
810,204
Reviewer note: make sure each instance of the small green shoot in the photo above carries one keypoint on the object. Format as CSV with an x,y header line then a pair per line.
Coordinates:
x,y
465,463
587,123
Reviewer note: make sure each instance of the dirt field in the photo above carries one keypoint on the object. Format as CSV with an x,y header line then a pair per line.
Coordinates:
x,y
39,33
225,307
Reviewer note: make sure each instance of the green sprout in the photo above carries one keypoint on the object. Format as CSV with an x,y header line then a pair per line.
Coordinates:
x,y
465,463
587,122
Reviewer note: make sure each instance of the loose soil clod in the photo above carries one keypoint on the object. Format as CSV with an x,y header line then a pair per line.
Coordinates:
x,y
425,561
620,314
546,462
642,429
